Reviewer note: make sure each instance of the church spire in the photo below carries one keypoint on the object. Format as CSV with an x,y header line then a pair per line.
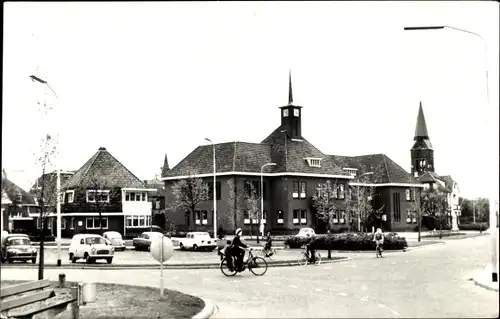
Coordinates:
x,y
421,128
290,94
165,168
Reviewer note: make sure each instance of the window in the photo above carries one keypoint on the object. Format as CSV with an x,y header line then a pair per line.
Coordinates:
x,y
408,196
138,221
303,216
157,204
63,223
413,194
295,190
351,171
204,216
335,217
47,220
303,190
396,207
313,162
264,217
246,217
252,189
142,221
296,216
341,191
279,216
135,221
70,196
197,217
95,223
138,197
411,216
342,217
211,190
335,191
72,223
100,195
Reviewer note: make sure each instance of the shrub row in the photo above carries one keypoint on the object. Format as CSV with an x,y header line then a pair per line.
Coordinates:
x,y
477,226
349,241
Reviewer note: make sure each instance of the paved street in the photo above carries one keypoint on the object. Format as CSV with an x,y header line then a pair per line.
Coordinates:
x,y
429,282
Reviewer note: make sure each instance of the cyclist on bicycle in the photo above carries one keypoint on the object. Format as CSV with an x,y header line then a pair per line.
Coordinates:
x,y
269,243
378,238
311,253
237,250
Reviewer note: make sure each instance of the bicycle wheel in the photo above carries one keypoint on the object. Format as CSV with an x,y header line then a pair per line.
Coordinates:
x,y
318,258
225,269
258,266
302,260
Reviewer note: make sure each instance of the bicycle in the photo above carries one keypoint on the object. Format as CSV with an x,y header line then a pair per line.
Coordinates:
x,y
268,253
253,263
378,250
303,257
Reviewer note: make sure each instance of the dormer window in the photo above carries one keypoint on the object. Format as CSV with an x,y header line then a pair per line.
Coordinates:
x,y
98,195
351,171
313,161
19,197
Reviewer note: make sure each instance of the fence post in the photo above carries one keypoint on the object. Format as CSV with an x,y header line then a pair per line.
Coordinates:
x,y
75,305
62,280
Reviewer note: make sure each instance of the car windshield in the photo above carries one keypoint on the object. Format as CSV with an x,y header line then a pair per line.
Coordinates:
x,y
114,235
94,241
19,241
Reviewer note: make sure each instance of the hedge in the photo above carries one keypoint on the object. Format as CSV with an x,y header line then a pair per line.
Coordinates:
x,y
349,241
478,227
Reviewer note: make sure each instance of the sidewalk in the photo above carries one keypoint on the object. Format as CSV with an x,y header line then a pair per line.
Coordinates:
x,y
484,279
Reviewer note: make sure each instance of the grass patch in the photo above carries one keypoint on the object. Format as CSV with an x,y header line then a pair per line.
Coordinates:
x,y
123,301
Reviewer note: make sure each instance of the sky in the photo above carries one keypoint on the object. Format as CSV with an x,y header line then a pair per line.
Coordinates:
x,y
153,78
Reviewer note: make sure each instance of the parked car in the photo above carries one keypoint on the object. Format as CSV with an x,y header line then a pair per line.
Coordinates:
x,y
115,238
306,232
198,241
144,241
17,247
90,247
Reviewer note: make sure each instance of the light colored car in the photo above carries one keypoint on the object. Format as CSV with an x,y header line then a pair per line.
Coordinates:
x,y
144,241
18,247
306,232
90,247
198,241
116,239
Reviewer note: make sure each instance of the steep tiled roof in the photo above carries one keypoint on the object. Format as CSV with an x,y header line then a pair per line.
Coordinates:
x,y
105,165
13,191
384,169
249,157
432,177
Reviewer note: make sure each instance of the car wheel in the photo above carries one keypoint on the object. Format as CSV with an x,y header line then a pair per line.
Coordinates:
x,y
10,261
149,248
181,246
33,260
25,260
88,259
70,256
74,259
109,260
195,247
135,247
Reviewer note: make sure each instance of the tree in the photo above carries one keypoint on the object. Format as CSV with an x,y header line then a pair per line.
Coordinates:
x,y
43,193
434,202
416,207
99,188
188,192
233,200
362,200
252,205
324,202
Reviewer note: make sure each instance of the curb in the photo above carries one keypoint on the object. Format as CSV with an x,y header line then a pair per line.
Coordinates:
x,y
281,263
485,286
207,311
423,246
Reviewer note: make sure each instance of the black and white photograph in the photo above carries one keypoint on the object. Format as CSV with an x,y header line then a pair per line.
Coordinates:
x,y
253,159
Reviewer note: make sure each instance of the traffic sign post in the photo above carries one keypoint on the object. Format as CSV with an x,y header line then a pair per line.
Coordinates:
x,y
162,250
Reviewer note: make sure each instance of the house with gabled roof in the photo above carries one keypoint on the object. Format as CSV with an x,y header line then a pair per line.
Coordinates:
x,y
104,184
288,186
17,205
397,191
422,168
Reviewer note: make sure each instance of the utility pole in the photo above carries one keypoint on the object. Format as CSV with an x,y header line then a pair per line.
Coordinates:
x,y
473,211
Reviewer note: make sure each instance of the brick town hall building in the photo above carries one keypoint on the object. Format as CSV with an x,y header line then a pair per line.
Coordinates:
x,y
289,185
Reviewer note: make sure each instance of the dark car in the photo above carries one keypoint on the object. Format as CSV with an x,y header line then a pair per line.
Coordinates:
x,y
18,247
144,241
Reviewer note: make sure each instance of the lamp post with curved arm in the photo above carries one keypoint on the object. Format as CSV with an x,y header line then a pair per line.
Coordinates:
x,y
493,230
214,193
58,192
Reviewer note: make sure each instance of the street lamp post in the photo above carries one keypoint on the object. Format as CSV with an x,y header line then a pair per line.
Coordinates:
x,y
359,210
214,189
262,198
493,230
58,185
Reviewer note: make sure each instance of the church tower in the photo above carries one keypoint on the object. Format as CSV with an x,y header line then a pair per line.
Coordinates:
x,y
291,114
422,154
